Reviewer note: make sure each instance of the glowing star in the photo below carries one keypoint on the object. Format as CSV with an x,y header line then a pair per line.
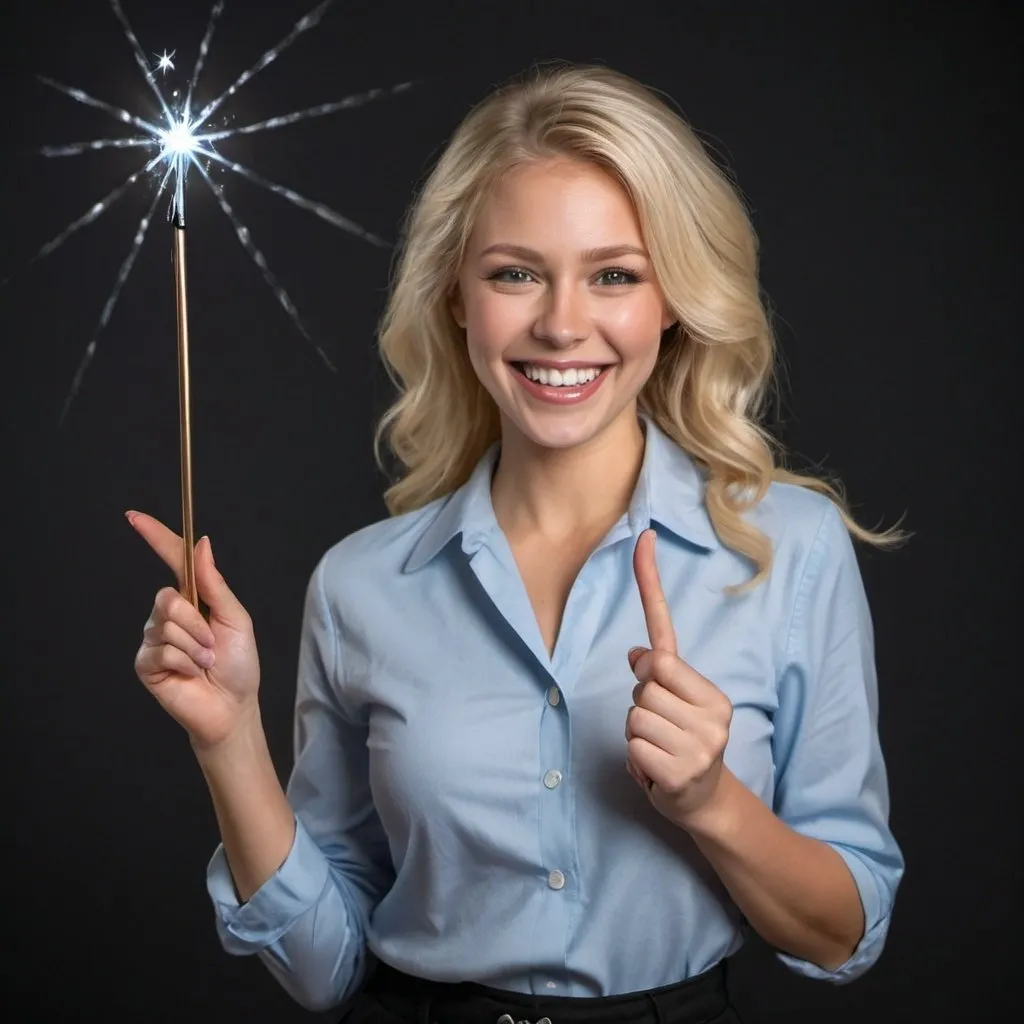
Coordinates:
x,y
184,140
178,144
178,141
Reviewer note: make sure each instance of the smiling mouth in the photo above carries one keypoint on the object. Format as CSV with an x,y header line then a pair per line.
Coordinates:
x,y
550,377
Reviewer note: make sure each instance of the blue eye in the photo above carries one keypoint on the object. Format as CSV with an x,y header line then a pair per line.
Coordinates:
x,y
508,270
631,278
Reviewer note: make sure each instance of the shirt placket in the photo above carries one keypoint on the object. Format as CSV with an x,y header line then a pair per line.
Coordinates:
x,y
556,784
558,870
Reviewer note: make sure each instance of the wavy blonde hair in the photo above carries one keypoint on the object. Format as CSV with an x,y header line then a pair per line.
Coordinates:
x,y
715,369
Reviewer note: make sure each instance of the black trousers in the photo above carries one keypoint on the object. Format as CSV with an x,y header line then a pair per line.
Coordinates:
x,y
391,997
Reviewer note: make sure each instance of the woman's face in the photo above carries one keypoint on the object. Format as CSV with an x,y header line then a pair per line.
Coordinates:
x,y
562,314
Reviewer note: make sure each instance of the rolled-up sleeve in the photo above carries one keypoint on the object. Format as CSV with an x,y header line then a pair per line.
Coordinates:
x,y
831,779
308,922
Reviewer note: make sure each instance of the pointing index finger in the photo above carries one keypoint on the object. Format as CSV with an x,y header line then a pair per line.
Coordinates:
x,y
164,541
656,611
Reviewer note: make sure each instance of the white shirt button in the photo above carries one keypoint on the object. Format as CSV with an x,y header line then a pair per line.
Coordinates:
x,y
552,778
554,696
556,880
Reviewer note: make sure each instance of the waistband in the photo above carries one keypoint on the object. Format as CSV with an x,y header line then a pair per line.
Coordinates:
x,y
694,1001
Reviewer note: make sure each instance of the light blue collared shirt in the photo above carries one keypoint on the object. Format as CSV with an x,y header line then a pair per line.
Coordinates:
x,y
463,810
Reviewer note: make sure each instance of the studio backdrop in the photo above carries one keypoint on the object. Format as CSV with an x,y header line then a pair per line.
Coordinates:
x,y
874,146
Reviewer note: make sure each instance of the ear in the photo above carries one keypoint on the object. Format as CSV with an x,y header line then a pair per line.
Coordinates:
x,y
456,305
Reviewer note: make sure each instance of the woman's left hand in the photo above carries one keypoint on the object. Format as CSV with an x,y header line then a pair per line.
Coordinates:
x,y
678,725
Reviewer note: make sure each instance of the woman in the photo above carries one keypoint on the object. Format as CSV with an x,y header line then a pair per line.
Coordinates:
x,y
541,772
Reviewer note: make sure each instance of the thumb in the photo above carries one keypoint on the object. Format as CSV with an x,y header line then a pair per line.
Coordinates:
x,y
634,654
214,590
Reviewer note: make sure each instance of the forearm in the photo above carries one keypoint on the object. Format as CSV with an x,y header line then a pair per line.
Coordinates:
x,y
796,892
257,824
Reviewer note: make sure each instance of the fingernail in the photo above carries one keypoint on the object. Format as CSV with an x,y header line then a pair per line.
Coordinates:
x,y
209,544
130,516
633,655
206,659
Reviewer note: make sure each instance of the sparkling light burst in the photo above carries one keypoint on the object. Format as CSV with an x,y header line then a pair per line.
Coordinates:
x,y
183,140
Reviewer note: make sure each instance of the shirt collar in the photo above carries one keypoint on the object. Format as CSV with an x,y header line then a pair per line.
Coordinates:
x,y
669,492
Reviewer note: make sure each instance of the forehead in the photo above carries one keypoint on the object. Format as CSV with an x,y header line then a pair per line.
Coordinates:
x,y
554,196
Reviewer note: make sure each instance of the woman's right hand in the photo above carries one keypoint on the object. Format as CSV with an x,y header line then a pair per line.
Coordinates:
x,y
205,675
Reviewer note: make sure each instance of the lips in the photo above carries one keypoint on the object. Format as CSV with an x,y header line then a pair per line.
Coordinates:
x,y
561,394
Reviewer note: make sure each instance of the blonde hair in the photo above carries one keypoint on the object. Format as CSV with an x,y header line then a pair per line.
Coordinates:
x,y
714,371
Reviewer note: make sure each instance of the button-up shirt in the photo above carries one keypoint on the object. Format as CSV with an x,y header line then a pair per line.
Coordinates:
x,y
463,809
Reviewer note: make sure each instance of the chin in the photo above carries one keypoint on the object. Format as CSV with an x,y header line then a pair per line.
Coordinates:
x,y
560,437
559,429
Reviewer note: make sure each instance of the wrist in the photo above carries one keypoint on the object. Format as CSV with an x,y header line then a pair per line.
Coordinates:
x,y
245,739
717,817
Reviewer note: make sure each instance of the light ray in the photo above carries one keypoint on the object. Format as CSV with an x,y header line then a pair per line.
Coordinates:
x,y
204,49
77,148
140,59
94,211
320,110
324,212
304,24
108,308
91,101
181,141
245,238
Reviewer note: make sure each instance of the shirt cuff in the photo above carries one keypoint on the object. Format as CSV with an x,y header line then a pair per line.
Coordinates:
x,y
876,925
283,898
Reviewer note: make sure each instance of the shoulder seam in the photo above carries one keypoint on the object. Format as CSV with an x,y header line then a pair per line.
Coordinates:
x,y
330,619
800,599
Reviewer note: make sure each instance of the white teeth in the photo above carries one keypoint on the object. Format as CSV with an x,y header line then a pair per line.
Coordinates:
x,y
561,378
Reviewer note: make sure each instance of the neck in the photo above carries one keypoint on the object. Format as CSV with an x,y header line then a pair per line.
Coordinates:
x,y
563,493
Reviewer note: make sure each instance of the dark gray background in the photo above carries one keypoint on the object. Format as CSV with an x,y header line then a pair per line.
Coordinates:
x,y
876,145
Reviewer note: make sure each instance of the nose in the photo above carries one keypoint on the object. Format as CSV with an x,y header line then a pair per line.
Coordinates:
x,y
564,321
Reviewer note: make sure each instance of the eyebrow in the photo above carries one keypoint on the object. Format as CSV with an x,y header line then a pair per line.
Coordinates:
x,y
605,252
